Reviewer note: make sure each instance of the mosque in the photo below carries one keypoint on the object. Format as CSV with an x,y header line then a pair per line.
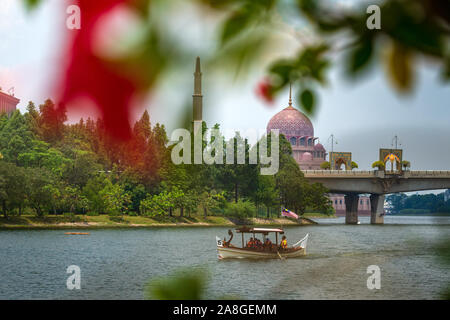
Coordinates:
x,y
8,102
298,130
307,151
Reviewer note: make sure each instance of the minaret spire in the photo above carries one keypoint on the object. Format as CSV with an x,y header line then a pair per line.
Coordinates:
x,y
290,94
197,96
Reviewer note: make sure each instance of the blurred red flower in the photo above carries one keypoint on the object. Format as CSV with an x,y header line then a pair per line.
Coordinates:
x,y
86,75
264,91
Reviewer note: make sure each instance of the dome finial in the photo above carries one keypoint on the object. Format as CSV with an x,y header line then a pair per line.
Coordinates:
x,y
290,94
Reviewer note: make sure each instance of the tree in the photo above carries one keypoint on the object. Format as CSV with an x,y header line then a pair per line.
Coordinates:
x,y
325,165
74,201
379,165
354,165
117,201
93,192
39,189
52,121
12,181
267,192
406,164
156,205
208,200
15,137
81,169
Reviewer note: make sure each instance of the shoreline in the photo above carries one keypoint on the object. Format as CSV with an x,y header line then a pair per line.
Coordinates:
x,y
105,222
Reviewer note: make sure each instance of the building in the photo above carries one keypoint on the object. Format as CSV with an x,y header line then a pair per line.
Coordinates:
x,y
307,152
8,102
299,131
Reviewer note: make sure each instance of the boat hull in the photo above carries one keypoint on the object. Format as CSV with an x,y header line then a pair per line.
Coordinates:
x,y
238,253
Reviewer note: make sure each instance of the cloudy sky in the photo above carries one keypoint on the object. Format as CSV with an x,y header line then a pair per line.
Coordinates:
x,y
363,116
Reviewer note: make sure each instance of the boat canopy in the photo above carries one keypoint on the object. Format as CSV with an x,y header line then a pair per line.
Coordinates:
x,y
259,230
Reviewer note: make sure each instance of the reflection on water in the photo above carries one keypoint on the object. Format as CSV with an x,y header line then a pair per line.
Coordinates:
x,y
116,264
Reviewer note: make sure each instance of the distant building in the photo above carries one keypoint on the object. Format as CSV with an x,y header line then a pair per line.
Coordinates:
x,y
338,202
299,131
8,102
447,195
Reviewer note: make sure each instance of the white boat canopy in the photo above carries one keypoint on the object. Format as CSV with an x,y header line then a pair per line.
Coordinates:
x,y
259,230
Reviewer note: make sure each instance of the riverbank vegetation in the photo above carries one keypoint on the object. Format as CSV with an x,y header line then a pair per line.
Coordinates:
x,y
70,221
417,204
49,167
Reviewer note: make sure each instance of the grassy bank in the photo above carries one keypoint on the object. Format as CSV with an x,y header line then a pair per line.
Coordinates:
x,y
104,221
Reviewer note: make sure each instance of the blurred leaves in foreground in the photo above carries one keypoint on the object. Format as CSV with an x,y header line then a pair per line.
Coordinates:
x,y
186,284
245,31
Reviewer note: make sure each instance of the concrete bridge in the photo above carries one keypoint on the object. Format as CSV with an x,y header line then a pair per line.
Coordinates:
x,y
378,184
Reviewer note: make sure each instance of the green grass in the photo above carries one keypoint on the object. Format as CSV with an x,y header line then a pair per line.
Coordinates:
x,y
105,221
317,215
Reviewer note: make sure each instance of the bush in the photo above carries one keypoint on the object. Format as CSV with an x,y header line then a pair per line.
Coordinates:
x,y
116,218
71,217
240,209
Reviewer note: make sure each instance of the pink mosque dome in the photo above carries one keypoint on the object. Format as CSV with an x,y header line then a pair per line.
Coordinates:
x,y
291,122
319,147
307,156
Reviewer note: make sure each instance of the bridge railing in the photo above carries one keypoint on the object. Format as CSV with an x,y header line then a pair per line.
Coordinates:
x,y
341,172
375,173
421,173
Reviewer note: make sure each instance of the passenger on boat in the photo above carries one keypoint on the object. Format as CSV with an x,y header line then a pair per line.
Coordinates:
x,y
283,244
250,243
268,244
258,243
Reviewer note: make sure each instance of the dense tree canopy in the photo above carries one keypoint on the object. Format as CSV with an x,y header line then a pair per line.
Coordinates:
x,y
50,167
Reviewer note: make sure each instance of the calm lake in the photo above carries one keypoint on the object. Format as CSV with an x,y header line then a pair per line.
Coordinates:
x,y
117,263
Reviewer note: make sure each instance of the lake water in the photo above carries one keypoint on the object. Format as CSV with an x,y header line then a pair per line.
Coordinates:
x,y
117,263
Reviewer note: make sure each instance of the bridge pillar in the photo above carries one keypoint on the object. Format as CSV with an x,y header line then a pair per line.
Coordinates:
x,y
351,208
377,208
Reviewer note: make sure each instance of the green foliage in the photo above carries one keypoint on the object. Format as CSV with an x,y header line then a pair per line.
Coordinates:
x,y
354,165
117,201
31,4
56,168
183,285
325,165
93,193
418,203
406,164
379,165
12,181
40,190
241,209
157,205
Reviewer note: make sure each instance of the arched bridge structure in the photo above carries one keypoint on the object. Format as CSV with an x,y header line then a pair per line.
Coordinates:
x,y
377,183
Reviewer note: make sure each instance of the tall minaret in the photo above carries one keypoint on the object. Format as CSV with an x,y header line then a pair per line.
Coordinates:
x,y
197,116
197,96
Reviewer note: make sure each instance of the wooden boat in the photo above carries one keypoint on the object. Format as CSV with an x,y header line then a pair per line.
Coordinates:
x,y
226,250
